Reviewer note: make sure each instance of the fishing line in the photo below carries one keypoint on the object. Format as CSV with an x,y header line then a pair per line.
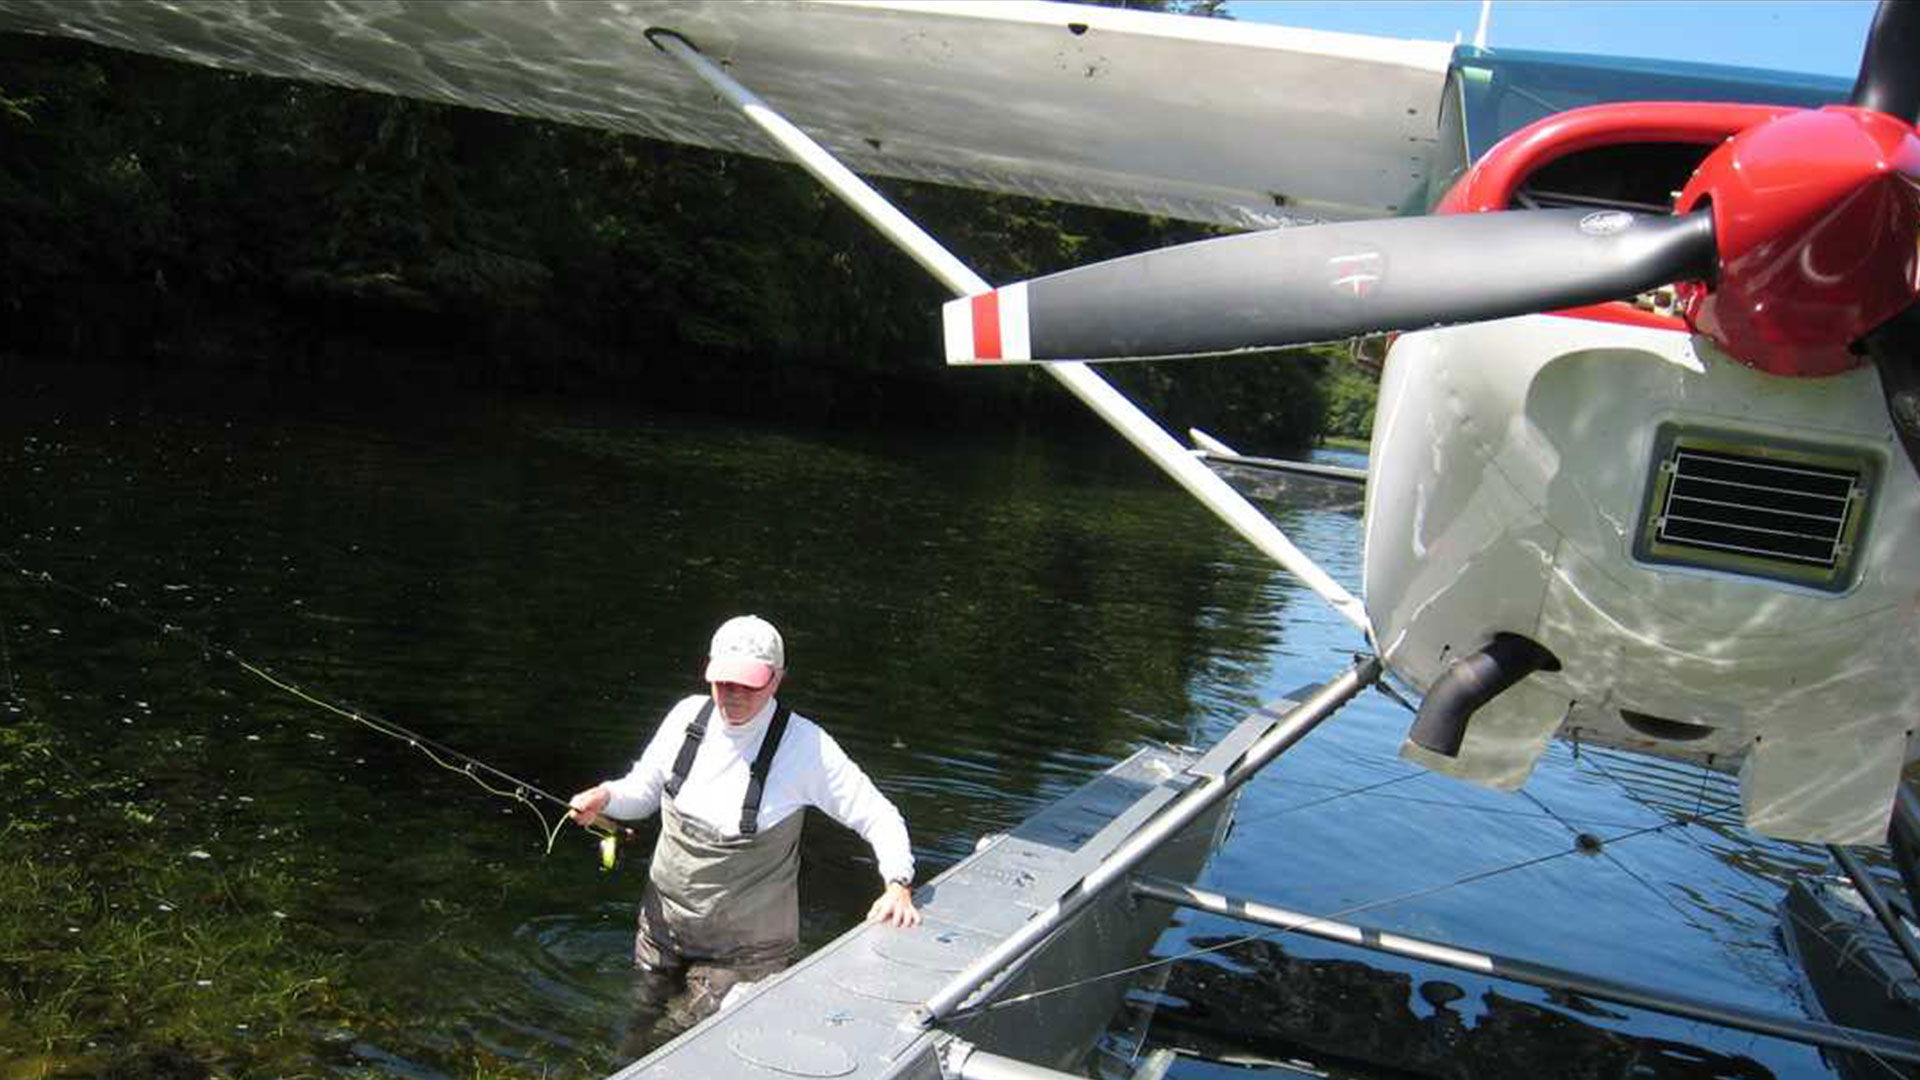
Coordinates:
x,y
439,753
1355,909
433,750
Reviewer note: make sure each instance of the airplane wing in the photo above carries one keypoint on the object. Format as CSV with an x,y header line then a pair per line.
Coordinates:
x,y
1200,119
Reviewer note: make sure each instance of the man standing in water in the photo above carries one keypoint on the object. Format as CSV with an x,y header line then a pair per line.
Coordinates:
x,y
722,905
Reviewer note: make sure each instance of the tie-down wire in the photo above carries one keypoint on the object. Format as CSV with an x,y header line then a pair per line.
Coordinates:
x,y
1835,1035
1851,957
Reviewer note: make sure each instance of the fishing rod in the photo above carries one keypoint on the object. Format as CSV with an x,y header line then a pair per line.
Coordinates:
x,y
610,830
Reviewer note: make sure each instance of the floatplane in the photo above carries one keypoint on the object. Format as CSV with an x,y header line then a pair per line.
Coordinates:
x,y
1643,473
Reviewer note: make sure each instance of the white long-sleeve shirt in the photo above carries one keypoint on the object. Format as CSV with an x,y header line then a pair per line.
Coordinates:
x,y
809,769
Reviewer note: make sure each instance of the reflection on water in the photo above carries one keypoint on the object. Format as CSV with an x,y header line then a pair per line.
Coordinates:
x,y
982,623
1361,1020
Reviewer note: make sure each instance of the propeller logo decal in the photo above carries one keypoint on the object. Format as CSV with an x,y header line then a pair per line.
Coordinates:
x,y
1356,274
1605,222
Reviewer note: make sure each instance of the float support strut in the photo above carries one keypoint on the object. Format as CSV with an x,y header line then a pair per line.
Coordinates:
x,y
964,1061
1903,839
1522,971
1079,379
1869,890
1177,815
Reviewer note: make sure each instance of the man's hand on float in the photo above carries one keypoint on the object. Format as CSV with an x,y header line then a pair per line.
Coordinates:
x,y
895,907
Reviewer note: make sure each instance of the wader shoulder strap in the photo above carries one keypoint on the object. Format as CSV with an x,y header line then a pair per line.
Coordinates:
x,y
683,764
757,775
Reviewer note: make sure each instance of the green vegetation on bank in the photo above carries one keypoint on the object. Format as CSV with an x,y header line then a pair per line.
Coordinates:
x,y
149,935
125,954
161,214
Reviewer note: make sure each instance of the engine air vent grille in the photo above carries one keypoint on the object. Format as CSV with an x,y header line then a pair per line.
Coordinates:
x,y
1791,513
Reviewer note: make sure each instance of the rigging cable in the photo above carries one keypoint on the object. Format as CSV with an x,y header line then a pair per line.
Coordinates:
x,y
1182,841
1373,791
439,753
1583,845
1600,848
1698,817
1395,696
1846,955
1477,876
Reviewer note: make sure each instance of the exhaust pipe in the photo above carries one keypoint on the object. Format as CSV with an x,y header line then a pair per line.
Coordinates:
x,y
1470,682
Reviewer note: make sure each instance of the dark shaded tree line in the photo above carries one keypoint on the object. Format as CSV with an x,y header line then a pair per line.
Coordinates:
x,y
163,214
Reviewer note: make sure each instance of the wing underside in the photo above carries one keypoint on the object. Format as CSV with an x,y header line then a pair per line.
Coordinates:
x,y
1199,119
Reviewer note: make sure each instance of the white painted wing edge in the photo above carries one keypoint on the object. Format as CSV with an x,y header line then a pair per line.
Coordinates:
x,y
1200,119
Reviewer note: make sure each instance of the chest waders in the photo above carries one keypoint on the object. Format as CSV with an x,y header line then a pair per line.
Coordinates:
x,y
710,898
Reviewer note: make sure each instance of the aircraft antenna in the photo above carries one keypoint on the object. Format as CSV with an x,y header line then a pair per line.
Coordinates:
x,y
1486,16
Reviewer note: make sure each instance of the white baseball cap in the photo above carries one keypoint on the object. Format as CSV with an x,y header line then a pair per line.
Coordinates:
x,y
746,650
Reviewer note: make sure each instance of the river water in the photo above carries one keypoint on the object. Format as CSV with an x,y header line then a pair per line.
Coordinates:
x,y
982,621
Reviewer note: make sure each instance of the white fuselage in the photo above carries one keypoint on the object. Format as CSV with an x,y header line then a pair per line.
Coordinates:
x,y
1514,464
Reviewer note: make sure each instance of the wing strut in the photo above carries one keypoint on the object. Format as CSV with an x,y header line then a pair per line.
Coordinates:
x,y
1082,381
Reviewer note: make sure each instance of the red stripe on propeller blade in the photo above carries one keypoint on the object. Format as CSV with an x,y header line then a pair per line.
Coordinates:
x,y
986,326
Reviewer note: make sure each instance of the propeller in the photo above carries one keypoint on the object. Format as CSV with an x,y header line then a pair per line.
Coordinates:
x,y
1795,239
1890,83
1315,283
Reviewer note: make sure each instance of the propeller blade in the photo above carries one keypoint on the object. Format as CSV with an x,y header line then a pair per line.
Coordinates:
x,y
1889,81
1311,283
1892,348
